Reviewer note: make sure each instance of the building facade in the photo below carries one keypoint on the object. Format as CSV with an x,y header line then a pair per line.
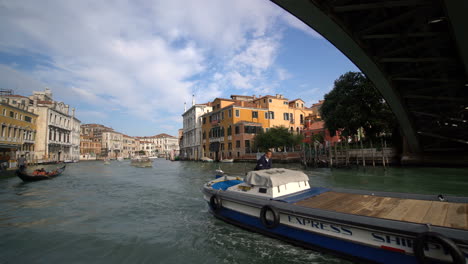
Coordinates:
x,y
91,134
54,128
164,144
192,130
228,131
112,144
18,130
130,147
75,137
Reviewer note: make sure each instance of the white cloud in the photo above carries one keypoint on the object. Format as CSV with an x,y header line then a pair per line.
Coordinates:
x,y
142,58
283,74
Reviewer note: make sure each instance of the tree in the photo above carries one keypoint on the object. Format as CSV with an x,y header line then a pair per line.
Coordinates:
x,y
353,103
276,137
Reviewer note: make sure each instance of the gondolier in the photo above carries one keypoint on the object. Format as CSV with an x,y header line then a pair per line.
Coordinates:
x,y
22,162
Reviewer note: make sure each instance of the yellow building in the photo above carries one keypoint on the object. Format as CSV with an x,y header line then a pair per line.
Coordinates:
x,y
18,131
228,131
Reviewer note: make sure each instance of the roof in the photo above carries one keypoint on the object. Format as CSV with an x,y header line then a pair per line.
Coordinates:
x,y
298,99
319,103
317,125
271,96
15,95
274,177
164,135
44,102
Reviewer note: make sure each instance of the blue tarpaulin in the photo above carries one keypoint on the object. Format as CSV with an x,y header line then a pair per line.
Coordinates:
x,y
225,184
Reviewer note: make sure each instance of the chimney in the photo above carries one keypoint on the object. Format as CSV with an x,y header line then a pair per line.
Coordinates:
x,y
185,107
73,112
193,99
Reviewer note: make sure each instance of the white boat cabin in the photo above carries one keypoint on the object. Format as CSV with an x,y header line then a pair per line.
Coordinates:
x,y
273,183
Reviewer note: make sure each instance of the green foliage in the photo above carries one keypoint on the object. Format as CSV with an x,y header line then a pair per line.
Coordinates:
x,y
276,137
318,137
353,103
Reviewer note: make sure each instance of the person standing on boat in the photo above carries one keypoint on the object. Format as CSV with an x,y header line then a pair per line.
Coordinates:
x,y
265,161
22,162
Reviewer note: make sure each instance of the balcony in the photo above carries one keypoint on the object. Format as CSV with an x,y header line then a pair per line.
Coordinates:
x,y
54,142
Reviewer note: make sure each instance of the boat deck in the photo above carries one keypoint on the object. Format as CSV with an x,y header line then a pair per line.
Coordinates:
x,y
445,214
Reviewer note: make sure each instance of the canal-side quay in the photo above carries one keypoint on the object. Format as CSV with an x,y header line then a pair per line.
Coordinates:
x,y
116,213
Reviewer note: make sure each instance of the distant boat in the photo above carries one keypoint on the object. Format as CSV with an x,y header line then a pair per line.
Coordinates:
x,y
227,160
206,159
153,157
120,158
142,162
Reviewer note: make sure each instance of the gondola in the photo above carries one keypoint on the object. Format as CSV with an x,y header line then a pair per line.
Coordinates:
x,y
29,178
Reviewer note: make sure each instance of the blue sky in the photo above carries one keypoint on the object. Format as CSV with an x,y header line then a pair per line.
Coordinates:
x,y
131,65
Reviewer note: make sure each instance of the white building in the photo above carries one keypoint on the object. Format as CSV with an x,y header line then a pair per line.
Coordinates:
x,y
75,137
54,129
191,140
112,144
164,144
148,147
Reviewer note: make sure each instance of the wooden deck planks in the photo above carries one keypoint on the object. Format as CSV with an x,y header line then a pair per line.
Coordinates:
x,y
456,216
436,213
446,214
417,212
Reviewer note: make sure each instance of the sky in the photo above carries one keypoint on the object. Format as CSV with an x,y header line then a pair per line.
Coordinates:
x,y
131,65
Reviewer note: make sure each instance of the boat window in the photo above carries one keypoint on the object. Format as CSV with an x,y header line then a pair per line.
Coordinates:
x,y
305,183
278,189
262,190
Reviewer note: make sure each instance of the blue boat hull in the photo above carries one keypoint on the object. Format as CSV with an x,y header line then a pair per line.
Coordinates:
x,y
346,249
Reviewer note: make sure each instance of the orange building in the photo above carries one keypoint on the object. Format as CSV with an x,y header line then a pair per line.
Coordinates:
x,y
314,125
229,130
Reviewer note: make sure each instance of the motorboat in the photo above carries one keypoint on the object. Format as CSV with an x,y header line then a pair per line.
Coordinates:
x,y
364,226
142,162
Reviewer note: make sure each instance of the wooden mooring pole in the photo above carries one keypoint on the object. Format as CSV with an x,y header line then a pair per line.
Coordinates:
x,y
362,153
383,155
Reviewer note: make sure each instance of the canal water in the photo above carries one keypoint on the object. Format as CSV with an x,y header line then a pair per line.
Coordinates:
x,y
96,213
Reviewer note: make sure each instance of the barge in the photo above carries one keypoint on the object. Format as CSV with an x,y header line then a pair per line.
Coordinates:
x,y
364,226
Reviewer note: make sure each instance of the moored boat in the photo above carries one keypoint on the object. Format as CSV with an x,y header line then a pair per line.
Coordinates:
x,y
142,162
206,159
378,227
23,175
227,160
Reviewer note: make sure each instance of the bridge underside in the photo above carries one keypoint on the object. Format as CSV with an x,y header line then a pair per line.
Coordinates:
x,y
414,51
